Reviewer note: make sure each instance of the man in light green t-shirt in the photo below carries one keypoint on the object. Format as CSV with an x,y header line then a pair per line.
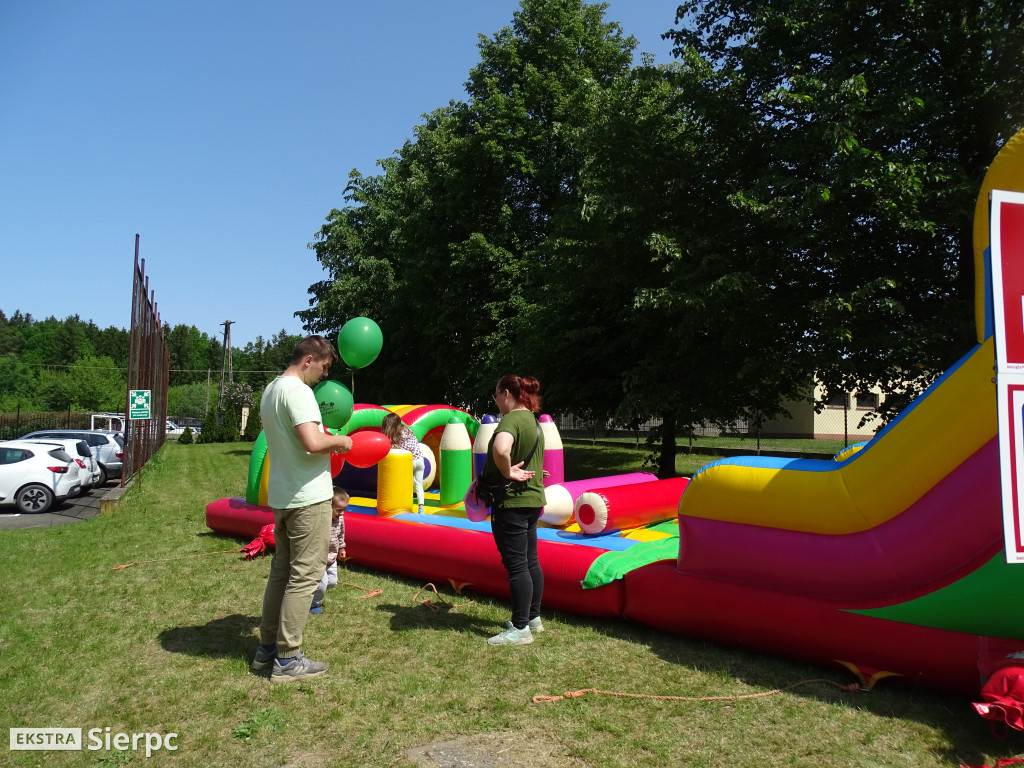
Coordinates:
x,y
299,491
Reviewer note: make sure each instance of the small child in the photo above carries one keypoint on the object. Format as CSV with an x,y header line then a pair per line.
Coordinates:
x,y
402,437
335,550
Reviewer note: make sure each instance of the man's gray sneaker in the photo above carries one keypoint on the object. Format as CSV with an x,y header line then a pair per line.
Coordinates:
x,y
300,668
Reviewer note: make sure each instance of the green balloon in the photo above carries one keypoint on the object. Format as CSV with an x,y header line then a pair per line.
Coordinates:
x,y
335,403
359,342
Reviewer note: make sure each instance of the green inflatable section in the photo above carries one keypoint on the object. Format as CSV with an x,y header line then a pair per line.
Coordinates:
x,y
614,565
982,603
363,417
252,483
439,417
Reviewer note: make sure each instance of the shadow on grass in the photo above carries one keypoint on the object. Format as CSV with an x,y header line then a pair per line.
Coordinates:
x,y
970,738
411,618
226,637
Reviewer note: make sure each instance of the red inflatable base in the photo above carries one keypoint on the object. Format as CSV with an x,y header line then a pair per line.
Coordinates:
x,y
465,559
802,628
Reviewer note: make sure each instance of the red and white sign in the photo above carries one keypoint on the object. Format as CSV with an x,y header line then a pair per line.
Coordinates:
x,y
1007,236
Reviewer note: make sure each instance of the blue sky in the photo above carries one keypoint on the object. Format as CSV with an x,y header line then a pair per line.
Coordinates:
x,y
222,132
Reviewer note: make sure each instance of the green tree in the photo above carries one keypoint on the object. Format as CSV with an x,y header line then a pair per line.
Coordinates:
x,y
446,249
111,342
90,384
210,431
10,340
72,342
188,400
230,429
19,385
189,350
872,127
39,341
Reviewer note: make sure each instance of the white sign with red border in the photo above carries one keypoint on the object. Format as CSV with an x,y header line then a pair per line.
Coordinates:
x,y
1007,236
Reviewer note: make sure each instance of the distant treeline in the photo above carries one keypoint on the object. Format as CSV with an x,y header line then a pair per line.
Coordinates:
x,y
73,364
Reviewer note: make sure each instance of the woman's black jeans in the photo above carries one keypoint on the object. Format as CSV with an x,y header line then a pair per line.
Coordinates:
x,y
515,533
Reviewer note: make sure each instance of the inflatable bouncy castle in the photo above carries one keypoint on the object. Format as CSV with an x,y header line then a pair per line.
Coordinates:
x,y
888,560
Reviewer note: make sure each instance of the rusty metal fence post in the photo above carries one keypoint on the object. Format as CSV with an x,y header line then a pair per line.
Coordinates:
x,y
148,369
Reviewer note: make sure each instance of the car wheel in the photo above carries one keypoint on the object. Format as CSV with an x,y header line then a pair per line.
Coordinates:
x,y
33,499
103,476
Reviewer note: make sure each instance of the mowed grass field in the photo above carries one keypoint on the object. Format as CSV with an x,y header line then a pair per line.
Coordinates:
x,y
163,647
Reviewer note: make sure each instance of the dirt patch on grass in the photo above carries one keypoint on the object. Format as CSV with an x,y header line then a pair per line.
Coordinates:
x,y
491,750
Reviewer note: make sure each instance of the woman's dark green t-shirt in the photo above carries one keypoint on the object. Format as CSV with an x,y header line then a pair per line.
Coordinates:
x,y
522,425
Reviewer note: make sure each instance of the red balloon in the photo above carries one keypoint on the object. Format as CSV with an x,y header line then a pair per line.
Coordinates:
x,y
337,459
367,449
337,462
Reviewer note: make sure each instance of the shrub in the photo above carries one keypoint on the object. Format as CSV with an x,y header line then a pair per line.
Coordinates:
x,y
254,424
211,429
185,438
229,432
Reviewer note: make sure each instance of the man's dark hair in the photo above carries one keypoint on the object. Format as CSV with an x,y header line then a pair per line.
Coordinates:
x,y
317,346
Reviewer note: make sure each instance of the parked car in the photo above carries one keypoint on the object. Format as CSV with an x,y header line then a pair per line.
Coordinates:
x,y
110,421
107,447
88,467
33,476
180,424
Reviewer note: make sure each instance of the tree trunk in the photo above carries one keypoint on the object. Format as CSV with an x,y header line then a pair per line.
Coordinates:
x,y
667,458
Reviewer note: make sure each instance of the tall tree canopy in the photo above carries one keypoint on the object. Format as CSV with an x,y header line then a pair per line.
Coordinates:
x,y
447,249
792,197
875,122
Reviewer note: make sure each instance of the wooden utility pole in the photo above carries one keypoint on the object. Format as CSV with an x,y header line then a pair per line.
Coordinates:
x,y
225,366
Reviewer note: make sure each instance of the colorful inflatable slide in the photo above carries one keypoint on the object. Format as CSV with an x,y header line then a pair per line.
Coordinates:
x,y
888,560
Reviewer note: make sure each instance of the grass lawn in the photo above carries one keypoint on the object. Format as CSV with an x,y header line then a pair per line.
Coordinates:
x,y
164,647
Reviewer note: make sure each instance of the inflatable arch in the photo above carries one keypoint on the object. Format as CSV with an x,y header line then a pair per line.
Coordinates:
x,y
887,560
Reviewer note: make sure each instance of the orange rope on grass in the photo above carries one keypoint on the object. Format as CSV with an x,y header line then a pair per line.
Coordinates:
x,y
430,604
369,592
578,694
169,559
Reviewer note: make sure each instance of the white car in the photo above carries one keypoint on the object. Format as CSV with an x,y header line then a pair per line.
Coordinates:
x,y
33,477
88,467
106,446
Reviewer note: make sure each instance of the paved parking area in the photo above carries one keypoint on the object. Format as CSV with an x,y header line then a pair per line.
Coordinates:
x,y
83,507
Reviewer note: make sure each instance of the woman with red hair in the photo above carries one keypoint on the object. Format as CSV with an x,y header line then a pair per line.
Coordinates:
x,y
515,456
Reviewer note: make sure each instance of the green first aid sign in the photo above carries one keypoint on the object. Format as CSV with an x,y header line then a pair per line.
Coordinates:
x,y
138,403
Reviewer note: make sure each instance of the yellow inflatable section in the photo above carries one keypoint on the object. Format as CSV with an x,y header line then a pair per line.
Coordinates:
x,y
946,425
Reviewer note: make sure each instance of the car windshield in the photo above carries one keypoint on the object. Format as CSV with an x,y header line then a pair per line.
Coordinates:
x,y
119,439
60,455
